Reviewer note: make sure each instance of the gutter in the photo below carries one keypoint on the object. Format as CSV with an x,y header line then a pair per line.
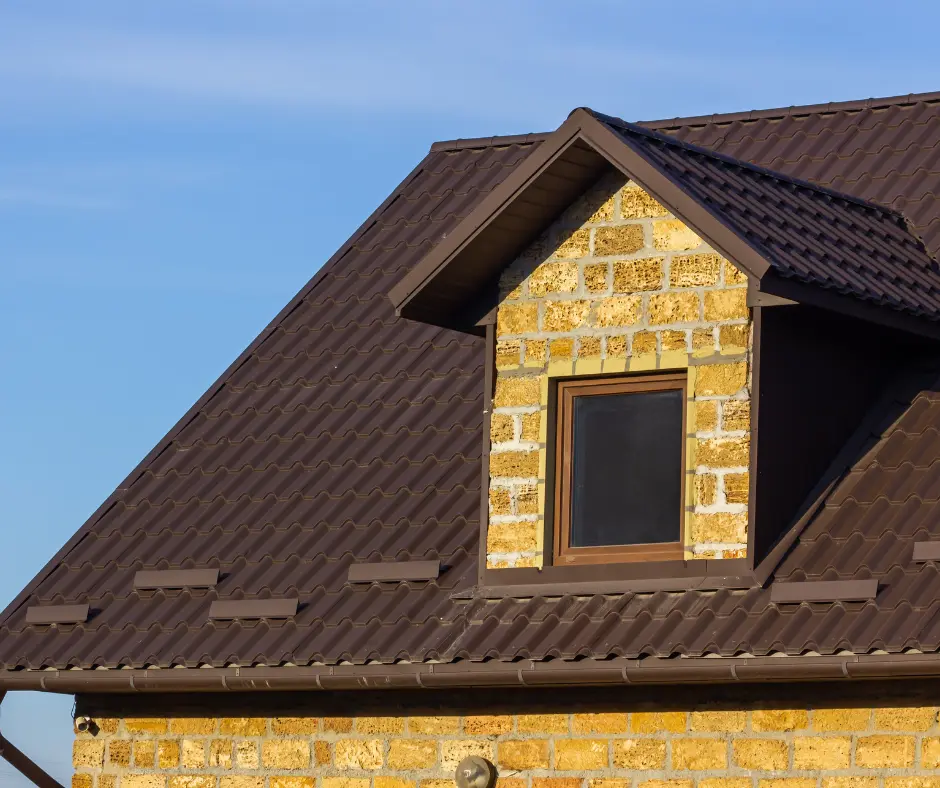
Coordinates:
x,y
525,673
22,763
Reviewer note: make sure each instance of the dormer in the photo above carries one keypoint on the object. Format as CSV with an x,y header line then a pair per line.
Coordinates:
x,y
679,346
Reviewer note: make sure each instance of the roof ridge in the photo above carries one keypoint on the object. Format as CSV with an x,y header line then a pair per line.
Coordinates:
x,y
667,139
487,142
794,110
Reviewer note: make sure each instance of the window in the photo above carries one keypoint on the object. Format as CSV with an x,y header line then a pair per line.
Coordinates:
x,y
619,470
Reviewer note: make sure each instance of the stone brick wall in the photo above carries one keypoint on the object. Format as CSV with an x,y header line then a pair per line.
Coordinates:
x,y
880,747
620,285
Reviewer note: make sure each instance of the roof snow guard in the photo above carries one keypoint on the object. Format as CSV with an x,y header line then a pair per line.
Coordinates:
x,y
796,240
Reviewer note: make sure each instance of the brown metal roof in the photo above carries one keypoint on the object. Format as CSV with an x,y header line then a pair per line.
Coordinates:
x,y
343,434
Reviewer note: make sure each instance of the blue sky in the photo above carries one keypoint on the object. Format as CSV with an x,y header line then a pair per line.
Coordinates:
x,y
171,173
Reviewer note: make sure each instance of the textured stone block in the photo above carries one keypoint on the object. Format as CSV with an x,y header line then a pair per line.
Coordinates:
x,y
286,754
822,752
572,244
246,755
706,416
514,464
884,752
487,724
696,754
82,781
726,304
535,350
913,718
723,452
192,781
168,754
637,203
608,782
715,380
143,781
517,319
542,723
344,782
718,721
145,754
564,315
930,753
454,751
500,502
838,719
673,235
581,754
618,311
616,347
848,781
733,276
658,722
522,754
600,723
87,754
561,349
358,754
527,499
761,754
736,415
643,342
193,726
412,754
624,239
912,782
154,725
553,278
779,719
337,724
292,781
556,782
589,347
119,753
392,782
512,537
322,753
634,276
595,278
665,784
508,353
674,340
243,726
694,270
639,753
706,485
725,782
502,430
788,782
719,527
703,339
734,338
220,753
193,754
736,489
512,391
241,781
680,307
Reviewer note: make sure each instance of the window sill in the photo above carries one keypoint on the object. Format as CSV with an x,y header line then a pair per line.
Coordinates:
x,y
703,574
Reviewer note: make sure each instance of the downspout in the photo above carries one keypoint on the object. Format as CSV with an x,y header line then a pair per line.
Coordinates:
x,y
21,762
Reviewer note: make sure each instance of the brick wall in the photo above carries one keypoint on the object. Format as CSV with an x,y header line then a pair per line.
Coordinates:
x,y
880,747
620,285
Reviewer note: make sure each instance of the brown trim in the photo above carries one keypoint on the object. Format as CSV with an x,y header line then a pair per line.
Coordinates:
x,y
489,383
567,390
252,608
176,578
926,551
472,143
388,571
23,763
754,432
529,673
57,614
824,591
755,297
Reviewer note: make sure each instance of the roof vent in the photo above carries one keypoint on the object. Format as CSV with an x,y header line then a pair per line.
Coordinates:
x,y
252,608
176,578
394,571
57,614
824,591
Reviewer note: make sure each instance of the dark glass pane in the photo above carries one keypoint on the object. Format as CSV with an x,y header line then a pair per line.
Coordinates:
x,y
626,469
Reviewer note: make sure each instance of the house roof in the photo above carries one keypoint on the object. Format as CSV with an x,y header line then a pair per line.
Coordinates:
x,y
346,434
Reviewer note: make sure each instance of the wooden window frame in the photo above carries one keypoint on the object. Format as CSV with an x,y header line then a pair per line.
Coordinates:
x,y
563,554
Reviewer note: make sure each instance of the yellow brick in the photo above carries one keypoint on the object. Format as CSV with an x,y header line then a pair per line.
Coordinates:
x,y
142,781
912,782
607,782
337,724
220,753
243,781
107,781
287,781
285,754
639,753
821,752
527,499
508,353
119,753
512,537
681,307
643,342
930,753
243,726
536,350
511,782
144,753
720,379
392,782
779,719
788,782
344,782
706,416
597,207
736,415
618,311
542,723
665,784
554,278
850,782
579,754
624,239
694,270
514,464
556,782
726,304
500,502
703,339
168,754
501,429
914,718
634,276
615,347
884,752
145,725
516,391
246,755
637,203
322,754
487,725
572,244
82,781
719,527
718,721
674,340
733,276
763,754
595,278
723,452
699,754
454,751
358,754
522,754
673,235
192,781
198,726
411,754
600,723
705,486
725,782
517,319
561,349
87,754
589,347
564,315
734,338
193,754
736,491
658,722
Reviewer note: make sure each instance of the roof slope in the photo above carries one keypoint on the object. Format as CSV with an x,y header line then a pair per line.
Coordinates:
x,y
344,433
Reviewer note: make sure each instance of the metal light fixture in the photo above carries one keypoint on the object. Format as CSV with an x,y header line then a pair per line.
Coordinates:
x,y
86,725
475,772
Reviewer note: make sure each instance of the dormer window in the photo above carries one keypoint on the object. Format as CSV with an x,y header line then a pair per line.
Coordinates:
x,y
619,469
